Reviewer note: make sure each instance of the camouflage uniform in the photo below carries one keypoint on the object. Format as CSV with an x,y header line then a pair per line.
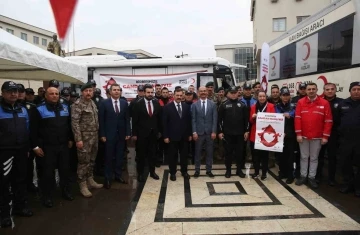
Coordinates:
x,y
85,126
213,98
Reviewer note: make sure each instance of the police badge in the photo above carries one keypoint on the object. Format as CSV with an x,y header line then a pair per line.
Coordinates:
x,y
28,106
97,99
239,105
61,101
336,105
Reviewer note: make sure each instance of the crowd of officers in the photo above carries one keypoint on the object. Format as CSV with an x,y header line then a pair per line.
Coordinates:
x,y
61,131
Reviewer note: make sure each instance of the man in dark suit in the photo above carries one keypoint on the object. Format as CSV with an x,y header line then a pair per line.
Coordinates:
x,y
204,125
114,124
145,127
177,132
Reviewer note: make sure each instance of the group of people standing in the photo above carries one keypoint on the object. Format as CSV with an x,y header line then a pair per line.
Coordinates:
x,y
163,127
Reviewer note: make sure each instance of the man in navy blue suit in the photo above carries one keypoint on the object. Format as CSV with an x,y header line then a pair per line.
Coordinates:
x,y
177,133
114,124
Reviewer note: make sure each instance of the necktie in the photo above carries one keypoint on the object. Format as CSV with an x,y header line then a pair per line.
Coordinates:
x,y
116,107
149,107
179,110
203,108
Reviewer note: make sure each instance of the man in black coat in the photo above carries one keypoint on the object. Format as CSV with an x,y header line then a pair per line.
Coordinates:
x,y
177,132
145,128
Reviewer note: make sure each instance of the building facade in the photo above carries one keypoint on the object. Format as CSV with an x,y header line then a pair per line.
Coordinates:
x,y
272,18
129,54
242,54
32,34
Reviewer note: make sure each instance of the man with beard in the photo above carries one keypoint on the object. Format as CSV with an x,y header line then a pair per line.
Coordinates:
x,y
158,91
145,126
14,147
51,138
189,98
177,133
255,89
140,94
233,121
210,89
29,95
275,95
65,96
85,126
332,146
247,98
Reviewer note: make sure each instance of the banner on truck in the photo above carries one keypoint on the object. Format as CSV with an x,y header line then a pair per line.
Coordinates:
x,y
269,134
129,83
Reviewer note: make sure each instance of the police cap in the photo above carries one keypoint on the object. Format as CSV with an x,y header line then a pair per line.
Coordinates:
x,y
233,89
86,86
141,88
54,83
73,94
65,92
92,81
302,86
209,84
284,90
247,86
9,85
188,93
21,87
29,91
97,91
353,84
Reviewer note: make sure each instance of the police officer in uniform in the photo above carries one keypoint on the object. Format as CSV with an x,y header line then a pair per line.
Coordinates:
x,y
14,146
348,113
140,91
73,97
287,157
65,96
233,119
51,138
40,97
85,126
97,98
332,146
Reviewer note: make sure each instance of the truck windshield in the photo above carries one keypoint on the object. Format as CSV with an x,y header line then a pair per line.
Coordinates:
x,y
225,80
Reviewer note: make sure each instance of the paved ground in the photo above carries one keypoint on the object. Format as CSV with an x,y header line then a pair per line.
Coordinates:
x,y
197,206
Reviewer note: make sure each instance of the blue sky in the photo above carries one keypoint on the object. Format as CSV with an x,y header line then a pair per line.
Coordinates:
x,y
162,27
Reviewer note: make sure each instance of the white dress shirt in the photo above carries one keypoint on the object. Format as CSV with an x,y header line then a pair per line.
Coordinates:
x,y
176,105
147,105
201,104
118,104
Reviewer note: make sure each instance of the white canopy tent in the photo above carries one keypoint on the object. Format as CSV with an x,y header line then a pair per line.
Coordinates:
x,y
22,60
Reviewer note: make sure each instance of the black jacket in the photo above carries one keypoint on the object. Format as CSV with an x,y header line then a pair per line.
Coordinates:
x,y
51,125
289,122
97,100
131,105
296,99
233,118
334,103
14,126
142,124
347,114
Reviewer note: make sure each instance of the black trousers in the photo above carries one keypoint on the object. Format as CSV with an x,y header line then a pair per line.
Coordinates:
x,y
162,151
55,156
176,148
100,159
350,161
6,170
30,168
234,148
146,148
260,156
287,157
332,148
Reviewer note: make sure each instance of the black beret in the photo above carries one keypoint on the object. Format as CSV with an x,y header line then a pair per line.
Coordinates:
x,y
209,84
86,86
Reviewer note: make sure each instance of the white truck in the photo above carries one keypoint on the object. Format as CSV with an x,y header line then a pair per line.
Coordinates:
x,y
129,73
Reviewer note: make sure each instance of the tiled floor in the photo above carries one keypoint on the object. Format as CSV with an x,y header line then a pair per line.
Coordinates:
x,y
233,206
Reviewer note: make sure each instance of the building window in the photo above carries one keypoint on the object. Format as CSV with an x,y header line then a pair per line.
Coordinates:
x,y
244,56
24,36
44,42
10,31
301,18
279,24
36,40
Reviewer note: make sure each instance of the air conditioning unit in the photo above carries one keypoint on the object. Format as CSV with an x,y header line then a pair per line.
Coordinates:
x,y
273,1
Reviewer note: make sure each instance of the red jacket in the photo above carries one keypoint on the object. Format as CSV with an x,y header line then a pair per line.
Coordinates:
x,y
313,120
270,108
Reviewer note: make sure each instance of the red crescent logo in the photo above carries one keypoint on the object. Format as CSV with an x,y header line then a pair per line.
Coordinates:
x,y
274,59
324,79
308,51
271,131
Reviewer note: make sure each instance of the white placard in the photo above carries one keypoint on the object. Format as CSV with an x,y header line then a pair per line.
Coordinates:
x,y
269,134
